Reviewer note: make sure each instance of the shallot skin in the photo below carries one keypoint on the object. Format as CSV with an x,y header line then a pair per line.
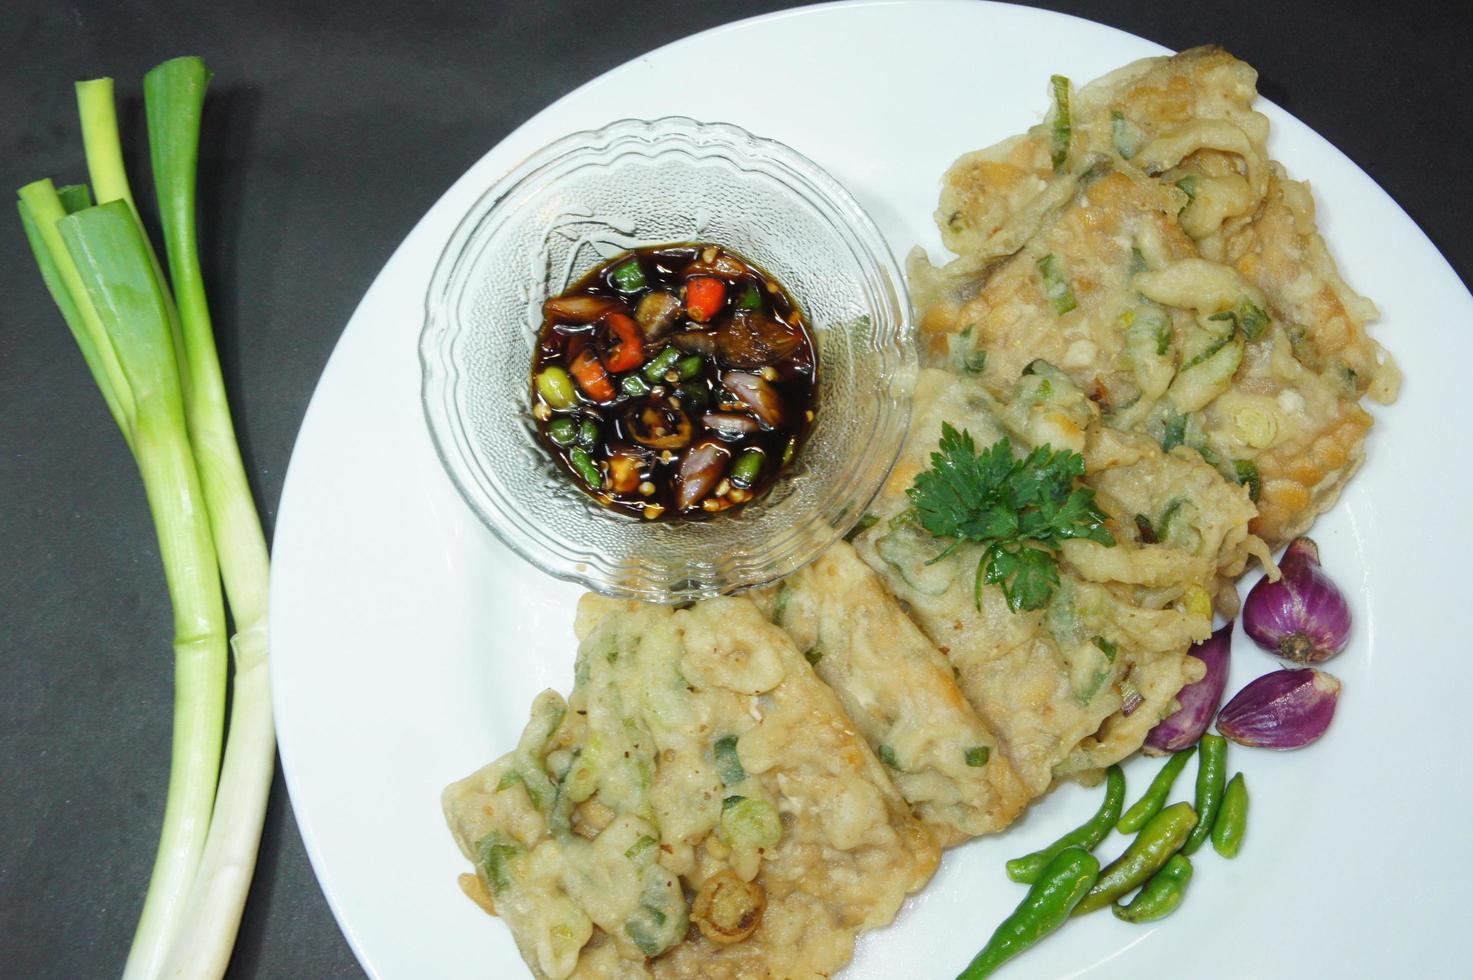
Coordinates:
x,y
1285,709
1303,617
1198,700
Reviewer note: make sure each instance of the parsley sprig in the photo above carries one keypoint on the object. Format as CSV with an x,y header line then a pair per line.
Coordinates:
x,y
1018,509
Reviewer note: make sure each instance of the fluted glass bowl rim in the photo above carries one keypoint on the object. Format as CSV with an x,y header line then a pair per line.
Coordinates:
x,y
441,374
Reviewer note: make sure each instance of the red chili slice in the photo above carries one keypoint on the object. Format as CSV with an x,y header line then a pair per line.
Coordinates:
x,y
704,297
591,376
622,342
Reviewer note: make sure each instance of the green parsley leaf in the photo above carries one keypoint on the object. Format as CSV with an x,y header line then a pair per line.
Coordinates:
x,y
1018,509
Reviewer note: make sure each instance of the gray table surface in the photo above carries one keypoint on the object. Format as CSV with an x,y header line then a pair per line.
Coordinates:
x,y
331,127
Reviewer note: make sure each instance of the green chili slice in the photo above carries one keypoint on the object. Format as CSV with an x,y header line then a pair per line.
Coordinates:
x,y
750,298
655,370
585,467
562,431
628,276
690,367
746,469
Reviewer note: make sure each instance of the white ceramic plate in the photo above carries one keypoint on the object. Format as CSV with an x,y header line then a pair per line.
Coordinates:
x,y
408,644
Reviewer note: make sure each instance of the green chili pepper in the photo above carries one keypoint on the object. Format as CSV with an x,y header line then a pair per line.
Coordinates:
x,y
585,467
562,431
1232,818
634,386
629,277
1150,804
978,755
1211,777
788,451
654,371
690,367
1162,837
745,470
1064,881
1161,895
1028,867
750,299
588,434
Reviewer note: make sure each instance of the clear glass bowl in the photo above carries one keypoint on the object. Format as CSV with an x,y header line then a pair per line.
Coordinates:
x,y
578,202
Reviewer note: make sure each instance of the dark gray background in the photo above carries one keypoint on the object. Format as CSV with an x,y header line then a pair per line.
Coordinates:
x,y
331,128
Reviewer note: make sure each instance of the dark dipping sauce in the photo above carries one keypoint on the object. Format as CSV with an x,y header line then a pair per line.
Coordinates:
x,y
674,382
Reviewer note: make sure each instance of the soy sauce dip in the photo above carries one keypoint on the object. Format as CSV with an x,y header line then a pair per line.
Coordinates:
x,y
675,382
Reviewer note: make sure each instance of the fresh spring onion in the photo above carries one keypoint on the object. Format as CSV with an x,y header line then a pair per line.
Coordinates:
x,y
152,354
